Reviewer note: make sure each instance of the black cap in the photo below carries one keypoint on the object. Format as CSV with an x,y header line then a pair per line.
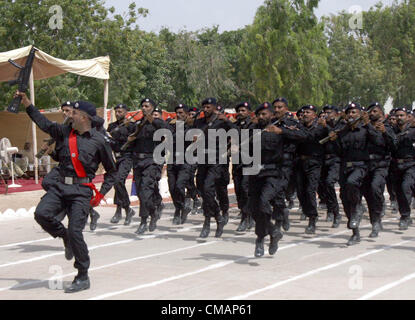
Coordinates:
x,y
374,105
330,107
158,110
353,105
148,100
309,107
243,104
193,109
403,108
182,106
265,105
281,99
210,101
86,107
68,104
121,106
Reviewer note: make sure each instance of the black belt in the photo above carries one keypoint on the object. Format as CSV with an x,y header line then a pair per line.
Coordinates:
x,y
74,180
376,157
288,156
403,160
142,155
350,164
269,166
303,157
330,155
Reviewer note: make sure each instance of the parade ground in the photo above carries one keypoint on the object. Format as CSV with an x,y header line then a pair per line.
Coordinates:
x,y
173,263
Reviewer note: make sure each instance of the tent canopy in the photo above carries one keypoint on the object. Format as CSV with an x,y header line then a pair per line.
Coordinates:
x,y
46,66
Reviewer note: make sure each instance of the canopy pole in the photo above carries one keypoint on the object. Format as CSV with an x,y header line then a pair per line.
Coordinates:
x,y
34,134
106,89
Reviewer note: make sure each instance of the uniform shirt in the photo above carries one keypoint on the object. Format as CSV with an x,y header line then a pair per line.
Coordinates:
x,y
242,124
120,135
405,139
93,149
291,137
173,128
385,143
333,147
144,142
310,146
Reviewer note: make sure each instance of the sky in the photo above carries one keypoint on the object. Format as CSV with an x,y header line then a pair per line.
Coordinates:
x,y
193,15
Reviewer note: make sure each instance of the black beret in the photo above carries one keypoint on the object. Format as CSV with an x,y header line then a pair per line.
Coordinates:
x,y
121,106
265,105
243,104
158,110
309,107
210,101
193,109
182,106
353,105
330,107
68,104
281,99
373,105
86,107
148,100
301,110
404,109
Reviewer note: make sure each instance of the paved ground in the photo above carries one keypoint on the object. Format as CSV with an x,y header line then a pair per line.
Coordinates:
x,y
174,264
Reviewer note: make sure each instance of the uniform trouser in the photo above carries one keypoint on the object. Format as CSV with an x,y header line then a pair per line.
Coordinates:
x,y
330,173
158,197
124,166
178,176
146,176
308,175
403,184
241,183
292,182
207,175
279,205
192,191
262,193
373,188
351,181
75,199
221,186
389,185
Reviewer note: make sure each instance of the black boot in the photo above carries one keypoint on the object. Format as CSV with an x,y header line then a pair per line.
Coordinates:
x,y
354,220
185,213
78,284
337,220
129,215
375,230
311,228
225,215
251,222
275,238
286,220
220,222
259,247
394,207
206,228
243,225
94,220
68,247
330,217
117,216
159,210
176,218
404,222
142,227
153,222
355,237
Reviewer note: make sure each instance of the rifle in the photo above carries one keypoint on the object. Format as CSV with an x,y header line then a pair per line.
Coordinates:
x,y
344,129
22,81
49,142
125,122
139,127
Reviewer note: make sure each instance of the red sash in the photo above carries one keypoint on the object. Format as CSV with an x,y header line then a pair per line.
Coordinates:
x,y
79,169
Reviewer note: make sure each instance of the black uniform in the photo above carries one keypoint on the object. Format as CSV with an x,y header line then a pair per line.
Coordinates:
x,y
374,183
178,174
403,172
209,175
330,174
68,192
310,160
264,188
241,181
147,173
124,161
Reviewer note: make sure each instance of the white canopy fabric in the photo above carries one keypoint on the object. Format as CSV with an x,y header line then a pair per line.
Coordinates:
x,y
46,66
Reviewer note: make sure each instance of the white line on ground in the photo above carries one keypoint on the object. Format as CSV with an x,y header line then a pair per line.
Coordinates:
x,y
208,268
312,272
387,287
